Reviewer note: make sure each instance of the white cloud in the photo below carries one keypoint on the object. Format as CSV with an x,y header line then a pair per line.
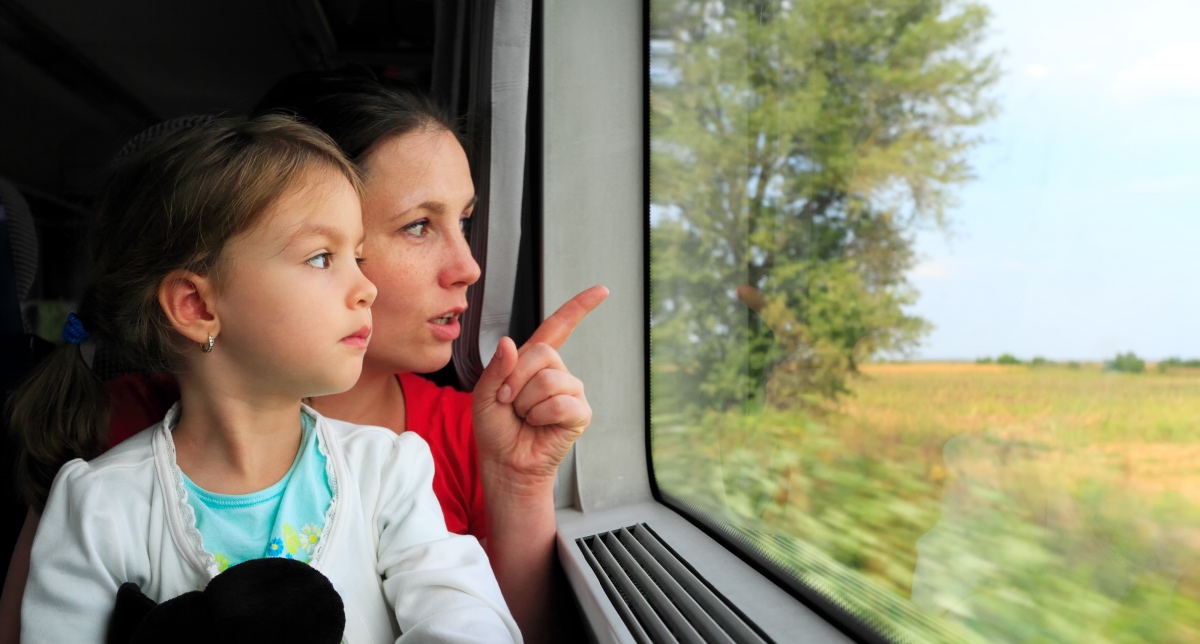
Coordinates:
x,y
1037,70
1173,70
930,270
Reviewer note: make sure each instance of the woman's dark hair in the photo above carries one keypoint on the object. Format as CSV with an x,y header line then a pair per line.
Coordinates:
x,y
171,205
356,109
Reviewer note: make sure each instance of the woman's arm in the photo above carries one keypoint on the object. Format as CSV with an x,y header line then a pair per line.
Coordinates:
x,y
528,410
14,583
521,547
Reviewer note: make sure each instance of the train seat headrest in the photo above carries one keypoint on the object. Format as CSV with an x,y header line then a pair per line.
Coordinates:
x,y
20,259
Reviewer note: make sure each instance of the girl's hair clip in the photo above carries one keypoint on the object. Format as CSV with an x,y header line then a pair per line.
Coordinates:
x,y
73,330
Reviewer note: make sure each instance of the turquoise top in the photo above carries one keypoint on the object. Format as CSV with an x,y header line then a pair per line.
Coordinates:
x,y
284,520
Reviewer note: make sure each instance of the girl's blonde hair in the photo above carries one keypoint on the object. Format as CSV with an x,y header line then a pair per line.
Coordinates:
x,y
172,205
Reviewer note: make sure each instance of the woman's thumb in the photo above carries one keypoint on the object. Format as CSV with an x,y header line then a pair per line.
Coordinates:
x,y
491,381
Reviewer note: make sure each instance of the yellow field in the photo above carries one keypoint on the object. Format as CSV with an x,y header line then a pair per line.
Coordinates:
x,y
1143,427
1020,503
1080,406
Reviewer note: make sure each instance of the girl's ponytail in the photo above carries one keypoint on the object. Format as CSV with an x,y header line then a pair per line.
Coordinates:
x,y
60,413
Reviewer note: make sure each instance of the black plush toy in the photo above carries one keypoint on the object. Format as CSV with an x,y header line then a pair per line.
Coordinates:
x,y
262,600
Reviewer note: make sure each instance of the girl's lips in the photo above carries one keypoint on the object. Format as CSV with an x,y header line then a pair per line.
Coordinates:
x,y
359,338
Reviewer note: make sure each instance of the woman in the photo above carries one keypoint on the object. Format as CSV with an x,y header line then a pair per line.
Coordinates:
x,y
495,464
418,197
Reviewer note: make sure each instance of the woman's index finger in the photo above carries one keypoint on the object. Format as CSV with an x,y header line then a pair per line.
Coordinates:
x,y
556,328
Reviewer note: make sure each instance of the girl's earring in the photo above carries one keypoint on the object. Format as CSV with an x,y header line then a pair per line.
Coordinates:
x,y
208,348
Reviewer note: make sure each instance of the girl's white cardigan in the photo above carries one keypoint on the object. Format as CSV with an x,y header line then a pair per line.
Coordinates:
x,y
124,517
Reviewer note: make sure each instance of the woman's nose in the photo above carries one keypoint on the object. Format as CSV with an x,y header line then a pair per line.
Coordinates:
x,y
460,268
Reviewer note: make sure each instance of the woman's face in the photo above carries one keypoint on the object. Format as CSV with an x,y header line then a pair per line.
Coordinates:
x,y
417,200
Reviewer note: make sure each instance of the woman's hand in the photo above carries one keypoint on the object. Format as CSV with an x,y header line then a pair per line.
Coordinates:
x,y
528,409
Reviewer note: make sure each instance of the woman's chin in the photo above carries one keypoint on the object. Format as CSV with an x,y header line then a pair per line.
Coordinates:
x,y
427,366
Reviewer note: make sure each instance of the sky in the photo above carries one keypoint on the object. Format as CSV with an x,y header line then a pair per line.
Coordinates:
x,y
1080,236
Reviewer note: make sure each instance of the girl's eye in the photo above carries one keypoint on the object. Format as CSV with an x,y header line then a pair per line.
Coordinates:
x,y
360,260
416,228
464,224
321,261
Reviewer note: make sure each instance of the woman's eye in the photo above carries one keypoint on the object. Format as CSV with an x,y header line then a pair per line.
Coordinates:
x,y
417,227
464,224
360,260
321,261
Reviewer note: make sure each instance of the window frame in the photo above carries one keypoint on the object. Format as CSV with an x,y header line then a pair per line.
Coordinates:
x,y
594,178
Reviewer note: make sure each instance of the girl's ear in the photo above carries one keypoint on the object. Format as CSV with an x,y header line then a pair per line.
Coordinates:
x,y
187,300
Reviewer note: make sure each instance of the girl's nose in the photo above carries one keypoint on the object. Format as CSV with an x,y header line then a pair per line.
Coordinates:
x,y
364,291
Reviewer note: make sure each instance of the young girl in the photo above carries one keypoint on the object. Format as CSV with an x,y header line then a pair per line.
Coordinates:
x,y
228,254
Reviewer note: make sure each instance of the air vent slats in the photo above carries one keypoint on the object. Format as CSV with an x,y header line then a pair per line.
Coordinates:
x,y
682,598
666,610
659,596
711,604
649,619
615,596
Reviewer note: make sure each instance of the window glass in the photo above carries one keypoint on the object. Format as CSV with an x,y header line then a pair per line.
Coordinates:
x,y
922,325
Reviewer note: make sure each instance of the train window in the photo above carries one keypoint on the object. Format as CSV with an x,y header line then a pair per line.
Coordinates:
x,y
920,341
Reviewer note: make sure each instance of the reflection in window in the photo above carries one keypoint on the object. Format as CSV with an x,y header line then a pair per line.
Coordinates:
x,y
920,331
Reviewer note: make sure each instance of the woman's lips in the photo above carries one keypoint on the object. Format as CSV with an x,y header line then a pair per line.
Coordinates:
x,y
446,327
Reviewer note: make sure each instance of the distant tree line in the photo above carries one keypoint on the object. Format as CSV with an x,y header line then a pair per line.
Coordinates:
x,y
1008,358
1127,362
1169,363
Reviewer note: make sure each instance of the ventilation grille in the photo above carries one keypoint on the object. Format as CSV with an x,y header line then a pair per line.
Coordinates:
x,y
659,596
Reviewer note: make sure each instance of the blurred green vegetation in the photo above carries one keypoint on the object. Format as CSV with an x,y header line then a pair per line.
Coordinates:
x,y
1126,363
1166,365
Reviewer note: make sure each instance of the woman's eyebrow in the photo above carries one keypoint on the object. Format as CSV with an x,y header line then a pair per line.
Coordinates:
x,y
438,207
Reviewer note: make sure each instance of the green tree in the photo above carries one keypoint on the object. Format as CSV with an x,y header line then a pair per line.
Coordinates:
x,y
795,146
1126,363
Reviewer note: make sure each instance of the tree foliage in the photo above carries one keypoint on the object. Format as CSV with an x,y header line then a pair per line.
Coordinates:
x,y
795,145
1126,363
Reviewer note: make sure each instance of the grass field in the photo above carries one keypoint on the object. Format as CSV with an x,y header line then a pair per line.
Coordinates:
x,y
1144,429
1017,503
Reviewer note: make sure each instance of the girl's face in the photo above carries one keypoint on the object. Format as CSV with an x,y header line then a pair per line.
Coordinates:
x,y
418,199
293,307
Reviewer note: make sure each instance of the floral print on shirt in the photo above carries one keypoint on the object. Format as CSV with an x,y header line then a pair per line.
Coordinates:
x,y
292,544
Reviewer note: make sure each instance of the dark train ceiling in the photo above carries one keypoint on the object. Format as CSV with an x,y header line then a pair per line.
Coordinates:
x,y
78,78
